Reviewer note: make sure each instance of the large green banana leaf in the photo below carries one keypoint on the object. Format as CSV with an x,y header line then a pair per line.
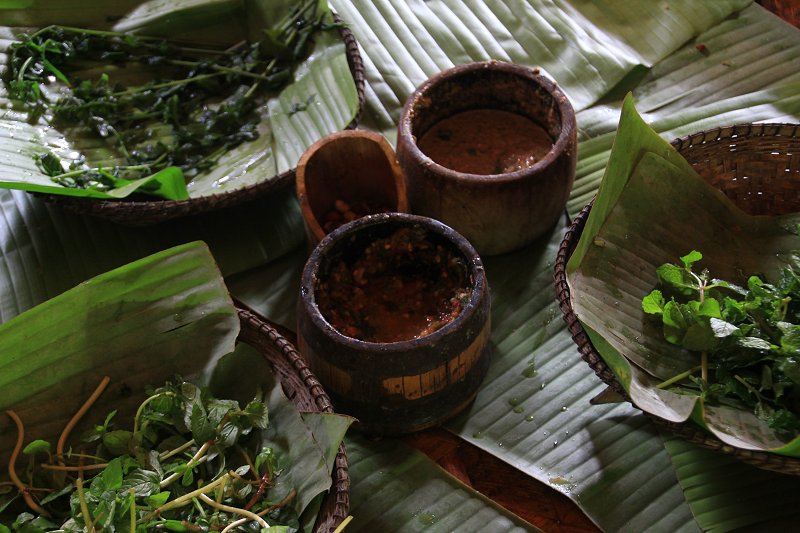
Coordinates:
x,y
166,314
587,47
609,459
397,488
323,81
45,250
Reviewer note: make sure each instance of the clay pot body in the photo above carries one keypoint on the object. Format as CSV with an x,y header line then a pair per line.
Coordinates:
x,y
396,387
352,166
497,213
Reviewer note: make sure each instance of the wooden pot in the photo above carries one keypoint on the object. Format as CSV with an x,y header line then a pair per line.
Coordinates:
x,y
396,387
497,213
356,167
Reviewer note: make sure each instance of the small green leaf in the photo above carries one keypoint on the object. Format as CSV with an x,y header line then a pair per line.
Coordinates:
x,y
258,414
111,475
117,442
709,308
36,446
173,525
699,338
202,428
158,499
143,482
653,303
722,328
754,343
691,258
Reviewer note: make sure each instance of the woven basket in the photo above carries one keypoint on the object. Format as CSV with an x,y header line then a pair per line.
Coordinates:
x,y
758,167
137,212
303,389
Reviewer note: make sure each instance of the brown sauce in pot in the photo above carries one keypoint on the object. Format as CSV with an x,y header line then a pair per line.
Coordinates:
x,y
402,287
486,141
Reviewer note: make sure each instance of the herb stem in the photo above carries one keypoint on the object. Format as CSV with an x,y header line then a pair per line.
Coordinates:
x,y
166,455
62,439
187,498
219,68
677,378
12,471
133,511
171,83
196,458
146,40
78,468
139,411
704,366
87,518
249,515
289,497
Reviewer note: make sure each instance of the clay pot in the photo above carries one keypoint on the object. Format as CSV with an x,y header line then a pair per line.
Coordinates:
x,y
394,388
497,213
356,167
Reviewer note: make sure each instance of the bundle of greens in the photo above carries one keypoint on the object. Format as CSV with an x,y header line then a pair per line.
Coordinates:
x,y
191,462
186,108
747,338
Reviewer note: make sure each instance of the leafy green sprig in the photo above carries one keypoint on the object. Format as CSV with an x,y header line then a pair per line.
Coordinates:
x,y
204,103
191,462
748,338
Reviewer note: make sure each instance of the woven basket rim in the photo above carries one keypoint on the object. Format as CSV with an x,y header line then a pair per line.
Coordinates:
x,y
306,392
149,212
687,430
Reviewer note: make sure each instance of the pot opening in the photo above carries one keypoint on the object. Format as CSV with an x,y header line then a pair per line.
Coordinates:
x,y
390,283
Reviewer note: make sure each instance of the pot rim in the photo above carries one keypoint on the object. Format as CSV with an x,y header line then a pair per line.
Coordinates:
x,y
560,146
309,276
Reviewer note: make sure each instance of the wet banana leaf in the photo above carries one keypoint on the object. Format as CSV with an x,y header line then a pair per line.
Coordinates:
x,y
388,472
586,47
169,313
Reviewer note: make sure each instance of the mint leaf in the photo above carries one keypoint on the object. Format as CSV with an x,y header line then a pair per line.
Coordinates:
x,y
653,303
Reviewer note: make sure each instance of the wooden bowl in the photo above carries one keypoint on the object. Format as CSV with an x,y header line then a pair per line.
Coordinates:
x,y
756,166
403,386
503,211
348,174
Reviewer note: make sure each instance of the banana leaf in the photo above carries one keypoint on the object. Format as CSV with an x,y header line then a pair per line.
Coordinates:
x,y
320,99
652,208
714,484
46,250
690,91
399,489
586,47
166,314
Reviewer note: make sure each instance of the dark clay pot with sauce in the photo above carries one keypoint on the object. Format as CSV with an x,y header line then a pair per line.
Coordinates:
x,y
396,381
517,195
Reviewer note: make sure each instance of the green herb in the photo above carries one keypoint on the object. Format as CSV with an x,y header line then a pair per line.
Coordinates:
x,y
190,462
747,338
202,104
